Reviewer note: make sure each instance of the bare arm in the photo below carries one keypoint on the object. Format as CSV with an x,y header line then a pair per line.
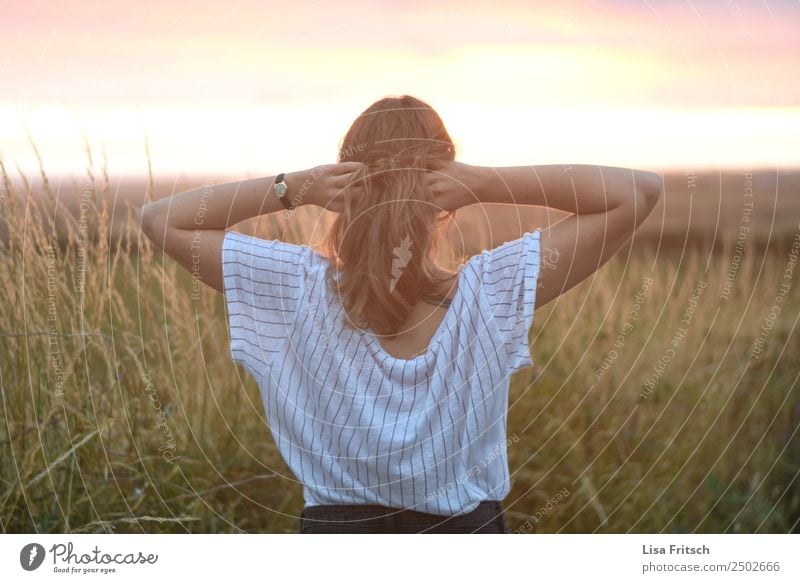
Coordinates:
x,y
608,203
578,188
190,226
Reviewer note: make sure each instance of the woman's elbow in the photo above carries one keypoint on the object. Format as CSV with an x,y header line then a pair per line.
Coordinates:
x,y
149,221
650,186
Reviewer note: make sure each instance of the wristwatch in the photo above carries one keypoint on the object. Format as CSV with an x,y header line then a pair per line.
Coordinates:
x,y
280,188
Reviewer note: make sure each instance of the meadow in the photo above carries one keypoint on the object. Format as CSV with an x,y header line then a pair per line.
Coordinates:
x,y
664,395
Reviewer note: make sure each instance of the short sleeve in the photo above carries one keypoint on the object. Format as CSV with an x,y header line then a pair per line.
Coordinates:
x,y
509,276
264,283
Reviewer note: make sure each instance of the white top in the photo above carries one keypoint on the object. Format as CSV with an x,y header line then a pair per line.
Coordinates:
x,y
359,426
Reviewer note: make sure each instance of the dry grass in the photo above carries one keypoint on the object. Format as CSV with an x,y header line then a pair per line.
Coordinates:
x,y
121,411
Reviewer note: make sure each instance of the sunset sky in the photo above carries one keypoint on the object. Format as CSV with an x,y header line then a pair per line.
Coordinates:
x,y
255,88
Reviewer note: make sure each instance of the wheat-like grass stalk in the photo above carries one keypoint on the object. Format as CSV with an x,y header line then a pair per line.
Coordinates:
x,y
126,353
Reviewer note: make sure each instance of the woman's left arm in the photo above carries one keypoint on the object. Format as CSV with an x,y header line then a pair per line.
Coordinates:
x,y
190,226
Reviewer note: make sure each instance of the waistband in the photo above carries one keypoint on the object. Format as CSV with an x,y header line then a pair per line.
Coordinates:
x,y
334,512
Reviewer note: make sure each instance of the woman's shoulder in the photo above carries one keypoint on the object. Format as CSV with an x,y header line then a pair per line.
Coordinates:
x,y
321,269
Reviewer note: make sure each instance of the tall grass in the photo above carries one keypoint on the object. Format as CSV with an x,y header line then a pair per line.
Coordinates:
x,y
121,411
713,445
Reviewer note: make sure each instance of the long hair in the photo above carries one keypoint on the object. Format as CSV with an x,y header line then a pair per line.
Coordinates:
x,y
382,246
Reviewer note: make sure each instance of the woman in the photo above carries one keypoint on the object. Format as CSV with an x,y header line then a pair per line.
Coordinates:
x,y
385,376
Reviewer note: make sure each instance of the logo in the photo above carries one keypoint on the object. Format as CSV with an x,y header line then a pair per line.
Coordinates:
x,y
31,556
402,255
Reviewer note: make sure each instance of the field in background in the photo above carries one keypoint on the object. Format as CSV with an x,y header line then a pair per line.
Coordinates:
x,y
700,210
664,395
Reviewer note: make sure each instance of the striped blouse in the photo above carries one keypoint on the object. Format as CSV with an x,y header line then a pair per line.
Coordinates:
x,y
359,426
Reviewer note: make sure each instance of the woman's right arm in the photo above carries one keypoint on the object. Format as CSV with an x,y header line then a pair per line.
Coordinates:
x,y
608,203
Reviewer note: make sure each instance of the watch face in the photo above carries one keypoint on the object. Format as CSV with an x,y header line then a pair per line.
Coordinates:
x,y
280,188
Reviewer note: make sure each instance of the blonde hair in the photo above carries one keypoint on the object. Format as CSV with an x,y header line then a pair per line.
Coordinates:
x,y
382,246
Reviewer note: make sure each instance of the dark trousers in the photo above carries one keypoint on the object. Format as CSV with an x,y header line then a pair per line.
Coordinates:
x,y
488,517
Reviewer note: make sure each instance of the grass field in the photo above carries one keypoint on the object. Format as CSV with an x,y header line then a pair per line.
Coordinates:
x,y
664,396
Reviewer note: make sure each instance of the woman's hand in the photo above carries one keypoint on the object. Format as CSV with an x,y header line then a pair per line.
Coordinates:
x,y
454,184
322,185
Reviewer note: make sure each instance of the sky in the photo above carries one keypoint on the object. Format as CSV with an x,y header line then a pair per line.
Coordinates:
x,y
254,87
